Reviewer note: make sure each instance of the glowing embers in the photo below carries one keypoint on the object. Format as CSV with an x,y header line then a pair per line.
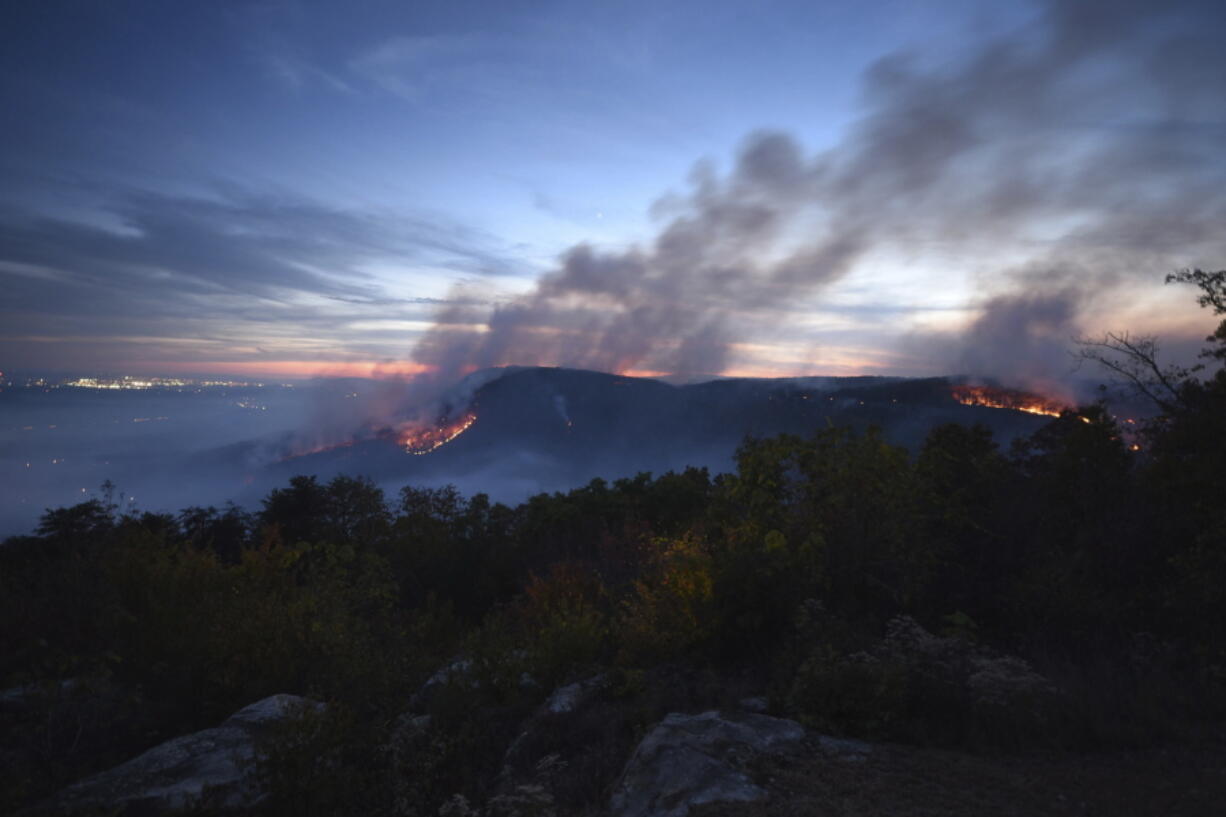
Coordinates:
x,y
1007,398
418,439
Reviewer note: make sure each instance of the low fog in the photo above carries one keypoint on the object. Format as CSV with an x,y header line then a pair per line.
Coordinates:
x,y
533,430
158,447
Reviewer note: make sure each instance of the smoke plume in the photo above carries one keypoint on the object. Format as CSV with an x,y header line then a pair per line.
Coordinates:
x,y
1064,158
1023,336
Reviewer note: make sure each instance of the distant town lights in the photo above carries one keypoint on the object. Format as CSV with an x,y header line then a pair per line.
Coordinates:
x,y
130,382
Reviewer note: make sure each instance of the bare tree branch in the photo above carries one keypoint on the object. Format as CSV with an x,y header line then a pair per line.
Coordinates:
x,y
1135,361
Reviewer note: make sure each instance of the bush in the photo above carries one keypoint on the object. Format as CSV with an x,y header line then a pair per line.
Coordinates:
x,y
670,613
923,688
566,617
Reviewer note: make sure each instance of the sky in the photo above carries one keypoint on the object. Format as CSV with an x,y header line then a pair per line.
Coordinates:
x,y
287,189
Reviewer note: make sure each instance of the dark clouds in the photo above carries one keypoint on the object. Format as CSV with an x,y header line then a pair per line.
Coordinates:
x,y
1061,162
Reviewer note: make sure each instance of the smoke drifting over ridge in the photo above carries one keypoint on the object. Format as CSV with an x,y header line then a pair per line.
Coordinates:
x,y
1022,336
1063,159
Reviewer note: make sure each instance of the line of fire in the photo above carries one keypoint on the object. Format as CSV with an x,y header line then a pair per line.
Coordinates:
x,y
419,438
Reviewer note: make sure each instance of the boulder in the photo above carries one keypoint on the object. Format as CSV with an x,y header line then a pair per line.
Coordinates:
x,y
572,696
564,701
455,671
462,672
215,763
687,760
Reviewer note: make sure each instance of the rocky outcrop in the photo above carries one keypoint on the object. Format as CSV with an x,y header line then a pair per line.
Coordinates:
x,y
214,765
526,750
459,672
572,696
687,760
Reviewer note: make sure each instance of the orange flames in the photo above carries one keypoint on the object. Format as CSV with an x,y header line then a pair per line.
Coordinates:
x,y
1007,398
418,439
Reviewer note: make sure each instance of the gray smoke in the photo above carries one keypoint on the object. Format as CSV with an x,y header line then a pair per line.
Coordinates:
x,y
1063,159
668,307
1024,336
559,404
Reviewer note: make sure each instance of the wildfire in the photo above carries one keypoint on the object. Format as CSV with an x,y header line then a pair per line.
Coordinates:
x,y
1006,398
420,440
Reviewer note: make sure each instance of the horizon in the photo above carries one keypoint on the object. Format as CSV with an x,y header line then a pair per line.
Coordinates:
x,y
155,379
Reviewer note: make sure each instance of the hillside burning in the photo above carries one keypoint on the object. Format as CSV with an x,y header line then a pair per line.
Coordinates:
x,y
993,397
421,439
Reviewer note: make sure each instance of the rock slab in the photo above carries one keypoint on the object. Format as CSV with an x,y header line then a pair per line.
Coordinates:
x,y
572,696
175,774
687,760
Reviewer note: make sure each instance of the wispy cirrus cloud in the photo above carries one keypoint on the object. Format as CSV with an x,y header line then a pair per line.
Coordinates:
x,y
299,74
407,66
237,268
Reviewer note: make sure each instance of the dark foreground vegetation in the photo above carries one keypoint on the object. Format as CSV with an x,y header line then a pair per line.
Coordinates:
x,y
1068,594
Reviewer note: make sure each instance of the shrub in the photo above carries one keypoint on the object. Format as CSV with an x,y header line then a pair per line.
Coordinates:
x,y
567,622
669,613
916,686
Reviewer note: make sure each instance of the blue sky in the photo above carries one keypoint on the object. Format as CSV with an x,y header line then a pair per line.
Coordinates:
x,y
289,187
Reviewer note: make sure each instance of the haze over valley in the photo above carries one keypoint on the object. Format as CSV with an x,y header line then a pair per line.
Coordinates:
x,y
165,445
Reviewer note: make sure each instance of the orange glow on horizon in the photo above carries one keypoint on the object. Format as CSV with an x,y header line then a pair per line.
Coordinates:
x,y
401,370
